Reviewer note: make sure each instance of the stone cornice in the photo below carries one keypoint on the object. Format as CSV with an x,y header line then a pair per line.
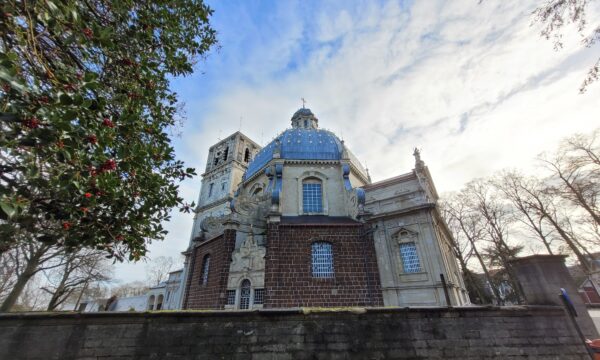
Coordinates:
x,y
213,204
391,181
412,209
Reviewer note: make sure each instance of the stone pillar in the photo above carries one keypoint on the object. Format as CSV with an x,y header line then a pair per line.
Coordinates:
x,y
541,278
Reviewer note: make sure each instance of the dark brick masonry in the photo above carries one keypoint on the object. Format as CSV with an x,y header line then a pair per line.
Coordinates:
x,y
288,272
536,332
212,294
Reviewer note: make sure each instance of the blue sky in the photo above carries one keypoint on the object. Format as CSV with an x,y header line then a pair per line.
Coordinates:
x,y
473,85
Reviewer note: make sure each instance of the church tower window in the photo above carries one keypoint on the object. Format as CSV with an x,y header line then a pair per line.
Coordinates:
x,y
410,258
226,154
245,295
205,268
322,260
312,196
210,189
247,155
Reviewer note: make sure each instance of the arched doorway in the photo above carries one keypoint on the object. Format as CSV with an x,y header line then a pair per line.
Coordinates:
x,y
151,302
159,302
245,295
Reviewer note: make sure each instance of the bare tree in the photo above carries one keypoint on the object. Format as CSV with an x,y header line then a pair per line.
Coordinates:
x,y
8,275
77,272
498,219
158,269
32,298
576,168
463,250
469,226
517,189
555,14
28,259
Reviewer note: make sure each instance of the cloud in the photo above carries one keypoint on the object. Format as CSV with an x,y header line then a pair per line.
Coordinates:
x,y
473,85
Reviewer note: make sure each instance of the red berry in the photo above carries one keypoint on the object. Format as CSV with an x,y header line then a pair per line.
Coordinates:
x,y
84,209
106,122
87,195
92,139
88,33
70,87
109,165
32,123
60,144
66,225
119,237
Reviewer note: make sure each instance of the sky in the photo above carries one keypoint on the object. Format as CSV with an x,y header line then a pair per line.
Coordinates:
x,y
473,85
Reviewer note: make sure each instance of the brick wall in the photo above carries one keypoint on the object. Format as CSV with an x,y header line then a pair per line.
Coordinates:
x,y
536,332
288,272
212,294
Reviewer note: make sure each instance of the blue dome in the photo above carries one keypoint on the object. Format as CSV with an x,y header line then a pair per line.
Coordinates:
x,y
299,144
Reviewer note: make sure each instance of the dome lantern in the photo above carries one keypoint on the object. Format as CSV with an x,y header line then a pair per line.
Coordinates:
x,y
304,119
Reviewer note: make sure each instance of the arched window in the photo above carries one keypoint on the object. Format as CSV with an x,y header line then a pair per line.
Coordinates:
x,y
312,196
205,267
322,260
159,302
245,295
410,258
226,153
247,155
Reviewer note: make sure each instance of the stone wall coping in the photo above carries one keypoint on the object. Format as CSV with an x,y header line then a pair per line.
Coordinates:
x,y
466,311
539,257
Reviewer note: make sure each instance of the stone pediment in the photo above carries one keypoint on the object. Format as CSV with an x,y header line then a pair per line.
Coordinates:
x,y
404,233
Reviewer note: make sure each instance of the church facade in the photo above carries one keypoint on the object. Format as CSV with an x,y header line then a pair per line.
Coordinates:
x,y
299,223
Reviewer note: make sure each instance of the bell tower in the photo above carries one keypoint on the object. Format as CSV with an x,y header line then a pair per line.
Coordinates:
x,y
225,165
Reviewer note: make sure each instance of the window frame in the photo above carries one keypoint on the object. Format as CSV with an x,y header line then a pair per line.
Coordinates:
x,y
406,236
320,274
310,176
247,306
205,270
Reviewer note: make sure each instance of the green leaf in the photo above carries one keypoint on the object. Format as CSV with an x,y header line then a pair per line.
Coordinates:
x,y
65,99
8,209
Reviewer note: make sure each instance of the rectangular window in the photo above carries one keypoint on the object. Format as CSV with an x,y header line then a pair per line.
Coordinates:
x,y
312,199
410,259
223,186
259,295
230,297
322,260
210,189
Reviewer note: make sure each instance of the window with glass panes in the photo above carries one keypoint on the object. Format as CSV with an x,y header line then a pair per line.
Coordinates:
x,y
245,295
410,258
259,295
230,297
322,260
312,197
205,268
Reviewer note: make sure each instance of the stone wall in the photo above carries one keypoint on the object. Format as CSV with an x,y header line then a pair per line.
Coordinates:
x,y
538,332
288,272
212,294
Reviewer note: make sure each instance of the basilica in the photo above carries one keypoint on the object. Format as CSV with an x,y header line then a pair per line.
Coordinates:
x,y
299,223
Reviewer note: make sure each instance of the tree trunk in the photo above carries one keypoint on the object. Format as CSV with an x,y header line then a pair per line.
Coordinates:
x,y
485,271
584,263
24,277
